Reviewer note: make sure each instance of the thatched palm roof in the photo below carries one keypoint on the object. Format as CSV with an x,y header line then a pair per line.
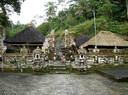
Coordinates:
x,y
29,35
106,38
82,39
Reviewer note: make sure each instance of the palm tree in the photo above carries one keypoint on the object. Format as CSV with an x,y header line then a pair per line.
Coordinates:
x,y
127,7
51,9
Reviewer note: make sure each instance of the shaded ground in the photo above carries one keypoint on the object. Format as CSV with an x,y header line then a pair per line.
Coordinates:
x,y
118,74
60,84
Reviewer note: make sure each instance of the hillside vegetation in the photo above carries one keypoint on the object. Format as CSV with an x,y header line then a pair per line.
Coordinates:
x,y
102,23
78,18
111,15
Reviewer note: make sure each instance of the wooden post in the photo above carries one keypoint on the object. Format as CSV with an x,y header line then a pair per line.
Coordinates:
x,y
94,14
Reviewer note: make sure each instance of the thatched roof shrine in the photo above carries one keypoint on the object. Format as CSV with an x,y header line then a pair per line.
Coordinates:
x,y
28,36
81,40
106,38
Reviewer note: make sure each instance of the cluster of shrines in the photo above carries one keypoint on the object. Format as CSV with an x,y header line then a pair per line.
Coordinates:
x,y
29,48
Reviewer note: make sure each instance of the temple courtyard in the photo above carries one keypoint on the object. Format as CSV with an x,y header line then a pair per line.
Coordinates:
x,y
60,84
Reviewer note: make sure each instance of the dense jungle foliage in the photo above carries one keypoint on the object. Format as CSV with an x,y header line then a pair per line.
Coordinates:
x,y
78,18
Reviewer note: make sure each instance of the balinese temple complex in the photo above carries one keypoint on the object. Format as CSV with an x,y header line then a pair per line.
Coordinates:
x,y
30,49
107,47
29,37
24,48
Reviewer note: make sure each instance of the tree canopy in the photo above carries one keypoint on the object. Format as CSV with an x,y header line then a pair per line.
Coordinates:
x,y
7,6
111,15
80,11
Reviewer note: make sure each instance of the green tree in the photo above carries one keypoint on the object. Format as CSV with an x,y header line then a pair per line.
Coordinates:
x,y
51,9
44,28
119,11
106,9
4,23
127,7
84,8
80,11
81,7
5,7
15,28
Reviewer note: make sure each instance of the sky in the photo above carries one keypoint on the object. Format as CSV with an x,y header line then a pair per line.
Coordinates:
x,y
32,10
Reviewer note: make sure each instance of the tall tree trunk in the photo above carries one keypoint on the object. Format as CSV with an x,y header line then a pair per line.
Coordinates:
x,y
4,32
3,26
127,8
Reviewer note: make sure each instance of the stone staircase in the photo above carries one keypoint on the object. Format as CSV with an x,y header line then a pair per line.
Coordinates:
x,y
60,68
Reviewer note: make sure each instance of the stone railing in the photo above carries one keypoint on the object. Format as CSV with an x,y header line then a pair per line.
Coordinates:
x,y
123,51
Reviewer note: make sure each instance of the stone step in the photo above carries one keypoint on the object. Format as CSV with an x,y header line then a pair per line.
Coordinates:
x,y
60,69
59,66
61,72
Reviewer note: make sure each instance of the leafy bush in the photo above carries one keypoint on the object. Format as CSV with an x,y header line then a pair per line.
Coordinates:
x,y
44,28
101,24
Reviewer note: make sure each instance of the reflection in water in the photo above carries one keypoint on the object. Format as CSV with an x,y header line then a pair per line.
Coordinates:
x,y
60,84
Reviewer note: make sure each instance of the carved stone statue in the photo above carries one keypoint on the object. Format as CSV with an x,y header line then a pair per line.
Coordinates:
x,y
37,60
67,38
45,45
69,41
1,41
51,39
24,51
116,50
96,50
2,47
49,42
82,51
37,53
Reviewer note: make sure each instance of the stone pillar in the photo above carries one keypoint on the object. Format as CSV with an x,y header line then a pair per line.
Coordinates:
x,y
3,51
116,58
96,59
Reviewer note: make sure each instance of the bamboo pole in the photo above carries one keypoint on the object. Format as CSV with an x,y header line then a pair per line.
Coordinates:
x,y
94,14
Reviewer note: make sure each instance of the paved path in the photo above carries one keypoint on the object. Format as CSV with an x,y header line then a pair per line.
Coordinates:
x,y
62,84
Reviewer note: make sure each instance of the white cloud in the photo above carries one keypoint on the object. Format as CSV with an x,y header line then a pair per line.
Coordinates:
x,y
31,10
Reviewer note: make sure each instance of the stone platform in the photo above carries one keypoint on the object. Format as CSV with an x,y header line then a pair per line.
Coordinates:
x,y
117,74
